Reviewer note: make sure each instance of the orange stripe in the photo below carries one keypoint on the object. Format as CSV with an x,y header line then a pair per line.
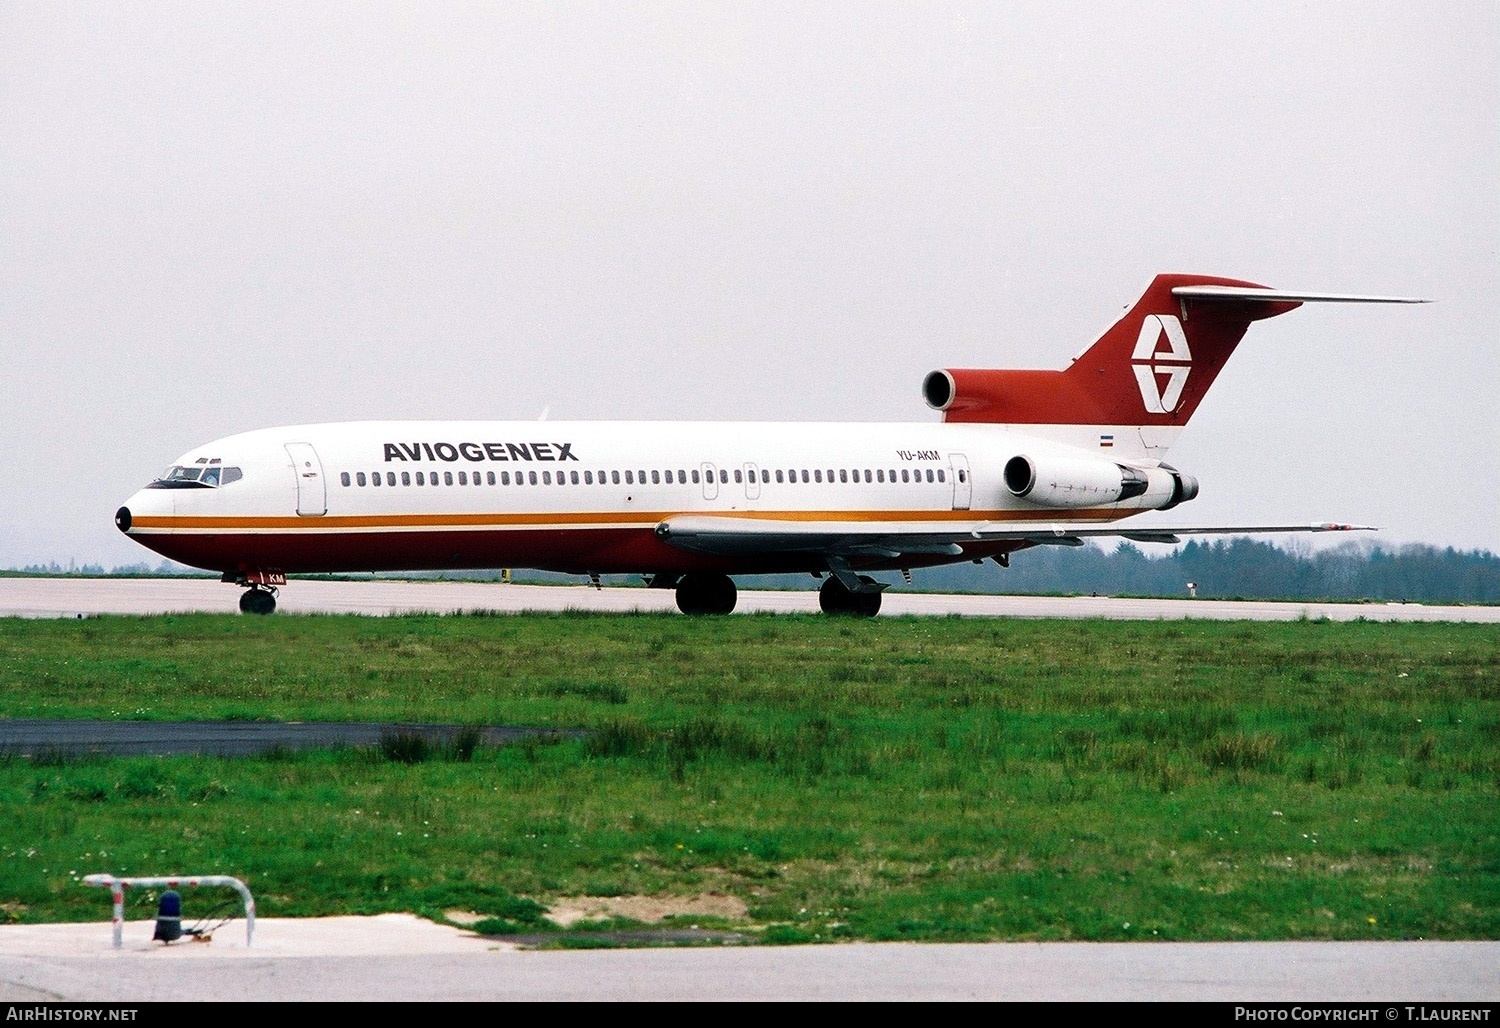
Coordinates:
x,y
642,518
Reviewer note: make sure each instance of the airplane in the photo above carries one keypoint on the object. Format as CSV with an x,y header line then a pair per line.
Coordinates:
x,y
1020,458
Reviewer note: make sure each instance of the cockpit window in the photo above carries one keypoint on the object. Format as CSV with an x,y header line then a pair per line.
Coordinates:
x,y
186,476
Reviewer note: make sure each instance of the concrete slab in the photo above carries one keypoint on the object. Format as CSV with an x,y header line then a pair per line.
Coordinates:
x,y
382,934
77,597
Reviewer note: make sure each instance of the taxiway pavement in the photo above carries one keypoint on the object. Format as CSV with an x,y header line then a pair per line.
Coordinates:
x,y
398,957
73,597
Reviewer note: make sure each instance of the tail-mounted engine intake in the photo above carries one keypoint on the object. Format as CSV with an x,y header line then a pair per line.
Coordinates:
x,y
1019,397
1083,482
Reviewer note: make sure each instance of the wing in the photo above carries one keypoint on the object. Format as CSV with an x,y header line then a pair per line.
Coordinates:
x,y
751,536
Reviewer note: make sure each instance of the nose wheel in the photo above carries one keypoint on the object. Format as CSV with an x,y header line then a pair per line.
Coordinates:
x,y
258,599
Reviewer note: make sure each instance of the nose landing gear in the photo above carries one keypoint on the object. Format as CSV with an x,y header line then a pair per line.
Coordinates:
x,y
258,600
260,589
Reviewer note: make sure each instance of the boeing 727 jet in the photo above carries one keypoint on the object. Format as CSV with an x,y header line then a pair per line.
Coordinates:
x,y
1019,459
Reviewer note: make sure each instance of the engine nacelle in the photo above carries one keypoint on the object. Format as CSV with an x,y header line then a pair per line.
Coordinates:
x,y
1084,482
988,395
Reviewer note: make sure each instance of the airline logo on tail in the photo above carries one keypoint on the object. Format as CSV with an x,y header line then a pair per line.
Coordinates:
x,y
1161,372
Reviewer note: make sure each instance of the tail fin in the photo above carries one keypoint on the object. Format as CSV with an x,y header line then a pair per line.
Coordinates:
x,y
1151,368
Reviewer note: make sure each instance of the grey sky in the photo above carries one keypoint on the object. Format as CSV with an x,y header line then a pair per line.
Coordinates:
x,y
217,217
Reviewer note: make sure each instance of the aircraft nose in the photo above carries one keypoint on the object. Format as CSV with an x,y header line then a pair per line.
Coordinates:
x,y
122,519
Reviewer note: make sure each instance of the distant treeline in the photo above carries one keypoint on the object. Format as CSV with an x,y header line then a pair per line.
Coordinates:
x,y
1239,567
166,568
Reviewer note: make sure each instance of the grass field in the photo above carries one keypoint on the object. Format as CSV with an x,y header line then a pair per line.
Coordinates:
x,y
898,778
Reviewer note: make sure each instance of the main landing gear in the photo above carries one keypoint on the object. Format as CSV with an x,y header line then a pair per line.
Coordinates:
x,y
258,599
837,598
705,593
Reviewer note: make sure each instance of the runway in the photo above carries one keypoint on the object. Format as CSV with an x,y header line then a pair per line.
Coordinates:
x,y
398,957
74,597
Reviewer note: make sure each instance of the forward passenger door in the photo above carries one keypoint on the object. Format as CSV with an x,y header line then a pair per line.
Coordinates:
x,y
312,491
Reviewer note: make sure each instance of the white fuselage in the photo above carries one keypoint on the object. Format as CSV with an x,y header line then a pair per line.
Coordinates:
x,y
586,496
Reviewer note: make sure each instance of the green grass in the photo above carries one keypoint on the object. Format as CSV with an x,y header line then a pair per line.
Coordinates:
x,y
900,778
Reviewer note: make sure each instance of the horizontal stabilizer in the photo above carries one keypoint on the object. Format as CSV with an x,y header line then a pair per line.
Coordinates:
x,y
1282,295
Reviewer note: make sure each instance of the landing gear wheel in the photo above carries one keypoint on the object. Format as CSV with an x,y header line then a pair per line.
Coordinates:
x,y
835,598
700,593
257,601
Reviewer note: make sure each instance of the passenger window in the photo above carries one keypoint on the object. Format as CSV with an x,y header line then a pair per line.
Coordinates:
x,y
406,478
817,474
962,475
723,477
696,478
588,478
630,478
739,476
463,478
843,475
447,478
940,475
656,478
804,476
880,474
546,478
490,475
344,477
531,477
614,477
572,477
681,477
375,478
390,478
904,474
765,476
778,475
504,477
360,477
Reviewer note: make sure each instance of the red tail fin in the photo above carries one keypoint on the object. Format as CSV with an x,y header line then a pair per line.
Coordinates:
x,y
1151,368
